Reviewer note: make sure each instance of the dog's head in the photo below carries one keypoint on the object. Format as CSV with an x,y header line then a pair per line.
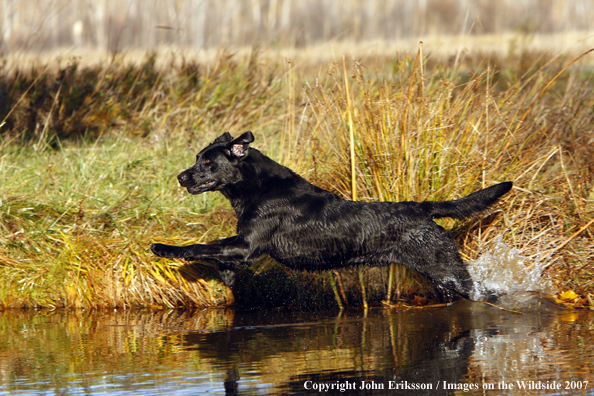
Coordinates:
x,y
217,164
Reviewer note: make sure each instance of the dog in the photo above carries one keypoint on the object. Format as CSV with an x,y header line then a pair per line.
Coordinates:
x,y
307,228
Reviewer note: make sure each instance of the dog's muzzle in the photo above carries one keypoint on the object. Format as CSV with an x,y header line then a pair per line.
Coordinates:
x,y
200,188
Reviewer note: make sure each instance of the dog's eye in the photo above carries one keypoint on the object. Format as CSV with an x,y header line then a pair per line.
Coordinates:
x,y
207,161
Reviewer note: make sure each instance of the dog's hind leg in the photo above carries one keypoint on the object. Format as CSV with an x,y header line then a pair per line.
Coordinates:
x,y
430,249
449,271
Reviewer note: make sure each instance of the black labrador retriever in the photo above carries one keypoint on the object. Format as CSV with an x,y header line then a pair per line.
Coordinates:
x,y
305,227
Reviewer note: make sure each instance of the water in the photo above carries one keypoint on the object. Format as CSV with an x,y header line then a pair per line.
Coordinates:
x,y
503,270
467,345
468,348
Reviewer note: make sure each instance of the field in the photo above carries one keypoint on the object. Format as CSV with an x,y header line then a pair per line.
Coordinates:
x,y
89,153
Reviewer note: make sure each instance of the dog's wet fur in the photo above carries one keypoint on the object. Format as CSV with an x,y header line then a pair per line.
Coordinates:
x,y
305,227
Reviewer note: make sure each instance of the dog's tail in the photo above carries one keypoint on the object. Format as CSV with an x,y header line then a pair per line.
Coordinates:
x,y
469,205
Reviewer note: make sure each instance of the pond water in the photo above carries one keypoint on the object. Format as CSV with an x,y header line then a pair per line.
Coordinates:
x,y
465,348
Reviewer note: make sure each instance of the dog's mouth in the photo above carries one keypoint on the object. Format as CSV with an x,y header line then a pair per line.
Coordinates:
x,y
200,188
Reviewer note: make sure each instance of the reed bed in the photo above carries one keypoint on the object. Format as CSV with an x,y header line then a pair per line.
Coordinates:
x,y
88,158
439,136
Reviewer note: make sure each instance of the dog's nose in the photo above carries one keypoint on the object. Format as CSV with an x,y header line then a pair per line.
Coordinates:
x,y
183,178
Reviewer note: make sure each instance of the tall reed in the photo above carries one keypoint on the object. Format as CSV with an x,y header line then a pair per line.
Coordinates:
x,y
411,135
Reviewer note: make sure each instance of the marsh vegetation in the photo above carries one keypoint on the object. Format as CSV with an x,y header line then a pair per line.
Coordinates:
x,y
89,154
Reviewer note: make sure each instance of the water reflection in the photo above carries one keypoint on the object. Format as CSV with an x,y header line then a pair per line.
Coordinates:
x,y
457,349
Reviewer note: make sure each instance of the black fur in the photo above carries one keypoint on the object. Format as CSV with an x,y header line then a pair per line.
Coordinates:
x,y
305,227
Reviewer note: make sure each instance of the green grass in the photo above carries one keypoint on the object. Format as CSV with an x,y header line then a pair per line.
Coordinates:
x,y
79,220
89,155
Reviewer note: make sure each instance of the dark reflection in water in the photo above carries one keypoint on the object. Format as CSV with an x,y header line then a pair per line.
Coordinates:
x,y
467,348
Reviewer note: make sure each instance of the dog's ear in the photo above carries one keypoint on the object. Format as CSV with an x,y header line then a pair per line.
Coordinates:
x,y
239,147
224,138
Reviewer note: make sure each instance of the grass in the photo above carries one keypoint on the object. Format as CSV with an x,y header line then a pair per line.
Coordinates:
x,y
78,226
88,158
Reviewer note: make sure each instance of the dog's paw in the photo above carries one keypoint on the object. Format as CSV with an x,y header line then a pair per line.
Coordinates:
x,y
228,277
166,251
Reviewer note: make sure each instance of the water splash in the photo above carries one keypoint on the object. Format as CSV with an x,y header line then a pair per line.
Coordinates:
x,y
503,270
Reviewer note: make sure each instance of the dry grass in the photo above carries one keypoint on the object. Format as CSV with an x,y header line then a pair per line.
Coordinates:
x,y
33,25
419,136
88,157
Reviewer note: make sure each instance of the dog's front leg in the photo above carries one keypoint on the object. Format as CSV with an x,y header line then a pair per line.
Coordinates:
x,y
171,252
229,250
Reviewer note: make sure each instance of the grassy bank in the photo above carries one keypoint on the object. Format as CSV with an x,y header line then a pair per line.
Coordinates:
x,y
88,158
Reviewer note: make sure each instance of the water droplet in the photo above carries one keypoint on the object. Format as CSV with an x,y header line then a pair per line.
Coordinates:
x,y
503,270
